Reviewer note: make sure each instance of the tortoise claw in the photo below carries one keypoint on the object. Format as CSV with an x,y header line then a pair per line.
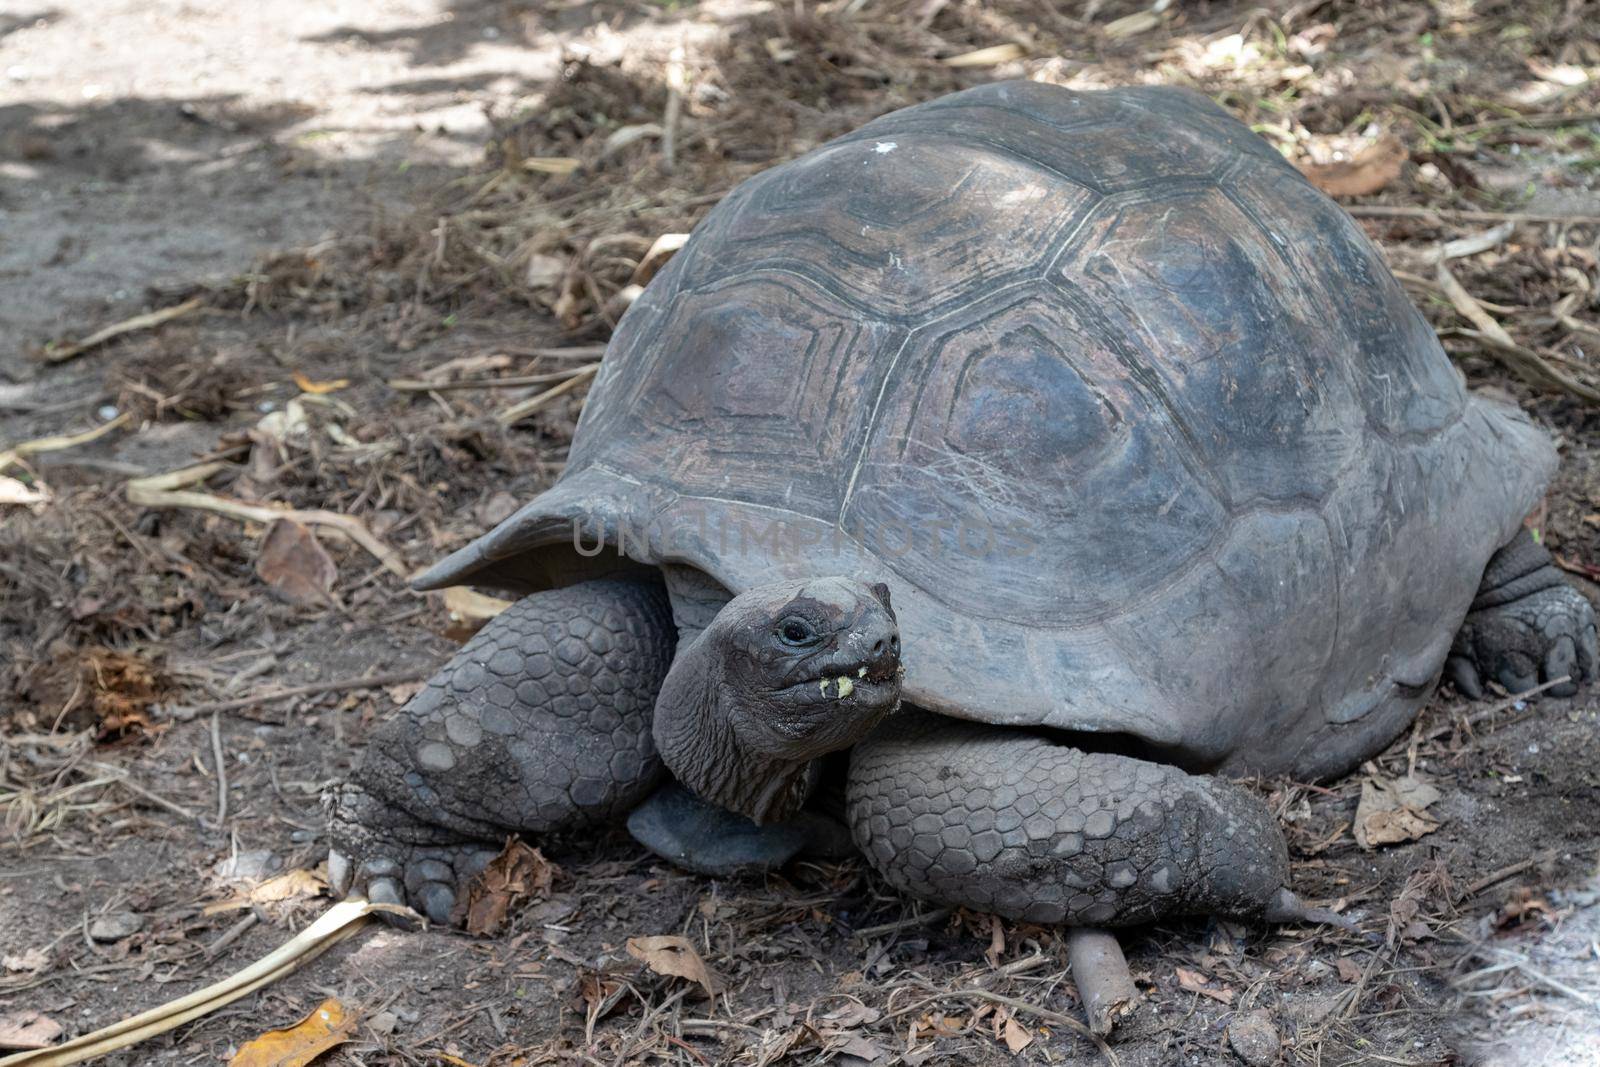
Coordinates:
x,y
341,872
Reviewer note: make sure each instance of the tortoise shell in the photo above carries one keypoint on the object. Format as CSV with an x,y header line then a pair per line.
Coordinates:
x,y
1135,422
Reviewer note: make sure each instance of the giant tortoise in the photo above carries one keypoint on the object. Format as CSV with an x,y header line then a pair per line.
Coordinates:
x,y
1164,478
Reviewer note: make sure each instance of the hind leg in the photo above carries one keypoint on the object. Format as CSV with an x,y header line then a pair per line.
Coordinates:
x,y
1527,626
539,724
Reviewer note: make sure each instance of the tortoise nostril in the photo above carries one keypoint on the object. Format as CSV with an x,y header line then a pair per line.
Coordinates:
x,y
880,645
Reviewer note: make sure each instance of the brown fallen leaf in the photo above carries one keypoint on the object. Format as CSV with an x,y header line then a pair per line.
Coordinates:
x,y
1195,982
30,962
855,1045
1373,168
1017,1037
674,956
28,1030
518,875
295,564
472,608
306,385
328,1026
15,492
291,885
1393,810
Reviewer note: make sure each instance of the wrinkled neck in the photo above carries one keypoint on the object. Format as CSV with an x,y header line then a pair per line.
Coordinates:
x,y
698,744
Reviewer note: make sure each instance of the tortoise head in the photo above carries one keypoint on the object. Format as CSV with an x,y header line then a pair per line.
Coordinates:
x,y
784,674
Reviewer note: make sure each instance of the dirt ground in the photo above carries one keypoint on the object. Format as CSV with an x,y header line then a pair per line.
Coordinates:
x,y
361,204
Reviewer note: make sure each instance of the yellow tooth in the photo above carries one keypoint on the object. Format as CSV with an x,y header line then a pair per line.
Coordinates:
x,y
846,687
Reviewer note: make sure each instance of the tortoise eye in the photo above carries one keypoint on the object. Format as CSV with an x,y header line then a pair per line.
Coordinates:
x,y
796,632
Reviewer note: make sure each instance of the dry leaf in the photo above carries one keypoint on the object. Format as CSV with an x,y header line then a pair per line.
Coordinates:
x,y
992,56
1392,811
855,1045
465,605
675,956
29,962
295,564
663,249
1132,25
28,1030
1373,168
551,164
402,692
291,885
518,875
1017,1037
326,1027
544,272
319,388
15,492
1195,982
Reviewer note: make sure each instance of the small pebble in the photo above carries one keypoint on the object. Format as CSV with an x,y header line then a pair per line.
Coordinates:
x,y
1254,1039
115,926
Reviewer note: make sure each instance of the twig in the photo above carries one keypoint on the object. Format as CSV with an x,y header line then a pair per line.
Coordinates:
x,y
1525,362
1401,211
1101,973
24,449
156,799
233,933
1530,122
335,925
1512,701
1016,1004
62,353
156,492
1498,876
1476,243
926,918
314,689
221,765
519,411
420,385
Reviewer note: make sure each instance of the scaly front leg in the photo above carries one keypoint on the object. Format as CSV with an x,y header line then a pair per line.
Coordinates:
x,y
539,724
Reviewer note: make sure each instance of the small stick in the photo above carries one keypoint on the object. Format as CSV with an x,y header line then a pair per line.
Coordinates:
x,y
314,689
519,411
1525,362
419,385
62,353
21,451
572,352
1498,876
1015,1004
1101,973
1400,211
1512,701
221,765
156,799
926,918
334,925
234,933
150,493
